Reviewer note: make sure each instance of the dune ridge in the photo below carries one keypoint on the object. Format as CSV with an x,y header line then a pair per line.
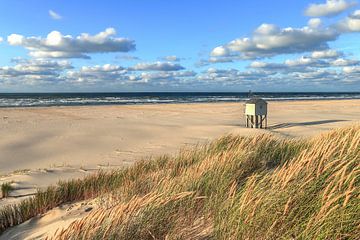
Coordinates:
x,y
261,187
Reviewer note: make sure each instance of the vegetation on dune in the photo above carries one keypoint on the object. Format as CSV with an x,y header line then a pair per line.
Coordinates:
x,y
6,188
259,187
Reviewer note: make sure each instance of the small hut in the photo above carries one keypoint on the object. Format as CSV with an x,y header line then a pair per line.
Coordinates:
x,y
256,113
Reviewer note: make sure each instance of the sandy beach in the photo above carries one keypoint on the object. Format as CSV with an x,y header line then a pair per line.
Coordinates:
x,y
33,138
40,146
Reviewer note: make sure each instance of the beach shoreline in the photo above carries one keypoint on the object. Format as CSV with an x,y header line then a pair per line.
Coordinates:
x,y
118,134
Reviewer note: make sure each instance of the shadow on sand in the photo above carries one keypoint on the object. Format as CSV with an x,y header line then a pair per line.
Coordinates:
x,y
287,125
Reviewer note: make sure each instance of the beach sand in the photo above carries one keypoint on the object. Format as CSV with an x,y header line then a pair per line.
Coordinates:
x,y
40,146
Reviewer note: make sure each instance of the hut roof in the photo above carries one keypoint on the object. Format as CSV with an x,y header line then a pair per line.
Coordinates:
x,y
256,101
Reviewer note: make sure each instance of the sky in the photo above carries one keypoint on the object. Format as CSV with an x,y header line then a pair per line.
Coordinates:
x,y
143,45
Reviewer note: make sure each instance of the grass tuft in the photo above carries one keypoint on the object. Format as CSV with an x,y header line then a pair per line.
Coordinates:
x,y
6,188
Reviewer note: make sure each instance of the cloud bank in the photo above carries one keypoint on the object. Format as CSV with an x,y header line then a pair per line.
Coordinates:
x,y
268,40
157,66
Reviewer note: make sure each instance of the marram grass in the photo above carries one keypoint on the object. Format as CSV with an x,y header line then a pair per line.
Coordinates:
x,y
259,187
6,188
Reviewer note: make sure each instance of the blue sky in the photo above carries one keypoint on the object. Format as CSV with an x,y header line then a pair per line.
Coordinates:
x,y
179,45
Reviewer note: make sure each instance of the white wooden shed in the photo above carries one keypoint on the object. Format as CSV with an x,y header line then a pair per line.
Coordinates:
x,y
256,113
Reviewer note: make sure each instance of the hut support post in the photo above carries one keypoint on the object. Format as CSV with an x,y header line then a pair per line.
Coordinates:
x,y
265,120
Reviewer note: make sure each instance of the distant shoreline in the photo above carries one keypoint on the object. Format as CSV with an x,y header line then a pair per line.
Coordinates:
x,y
107,99
173,103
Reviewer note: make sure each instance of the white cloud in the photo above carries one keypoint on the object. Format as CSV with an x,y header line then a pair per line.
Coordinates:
x,y
220,51
104,68
350,23
344,62
54,15
157,66
172,58
314,22
1,39
56,45
269,40
330,53
330,8
306,61
349,70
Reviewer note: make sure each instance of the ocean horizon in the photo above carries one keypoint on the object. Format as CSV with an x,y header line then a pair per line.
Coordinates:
x,y
128,98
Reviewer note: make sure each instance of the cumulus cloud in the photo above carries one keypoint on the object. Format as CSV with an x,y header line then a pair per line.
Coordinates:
x,y
269,40
1,39
330,53
54,15
56,45
157,66
329,9
350,23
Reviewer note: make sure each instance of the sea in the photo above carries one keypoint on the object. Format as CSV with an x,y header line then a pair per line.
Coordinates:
x,y
87,99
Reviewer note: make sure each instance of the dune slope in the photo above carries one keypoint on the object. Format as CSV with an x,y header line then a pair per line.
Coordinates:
x,y
260,187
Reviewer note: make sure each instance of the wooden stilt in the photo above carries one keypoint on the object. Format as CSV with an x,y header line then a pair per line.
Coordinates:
x,y
256,121
265,121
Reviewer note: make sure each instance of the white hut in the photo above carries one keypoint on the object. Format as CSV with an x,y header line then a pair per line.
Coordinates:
x,y
256,113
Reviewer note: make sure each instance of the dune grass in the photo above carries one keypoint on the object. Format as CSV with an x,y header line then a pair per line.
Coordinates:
x,y
259,187
6,188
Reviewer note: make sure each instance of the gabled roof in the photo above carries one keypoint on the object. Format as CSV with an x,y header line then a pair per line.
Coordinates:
x,y
256,101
